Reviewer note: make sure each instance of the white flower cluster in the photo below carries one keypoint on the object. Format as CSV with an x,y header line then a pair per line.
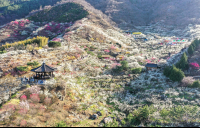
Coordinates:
x,y
34,89
24,104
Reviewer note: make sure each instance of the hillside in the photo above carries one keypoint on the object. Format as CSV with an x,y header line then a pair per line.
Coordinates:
x,y
101,78
15,9
132,13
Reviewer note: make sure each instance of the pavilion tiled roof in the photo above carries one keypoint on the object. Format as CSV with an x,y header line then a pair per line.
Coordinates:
x,y
44,68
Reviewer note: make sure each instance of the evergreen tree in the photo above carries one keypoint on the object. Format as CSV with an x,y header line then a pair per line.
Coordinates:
x,y
190,50
167,71
183,64
176,74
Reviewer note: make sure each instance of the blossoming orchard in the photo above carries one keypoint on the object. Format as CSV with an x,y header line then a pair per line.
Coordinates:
x,y
65,66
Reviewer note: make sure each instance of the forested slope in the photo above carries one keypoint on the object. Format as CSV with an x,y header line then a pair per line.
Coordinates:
x,y
14,9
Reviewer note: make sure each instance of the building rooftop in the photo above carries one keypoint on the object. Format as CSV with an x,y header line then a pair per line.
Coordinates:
x,y
151,65
44,68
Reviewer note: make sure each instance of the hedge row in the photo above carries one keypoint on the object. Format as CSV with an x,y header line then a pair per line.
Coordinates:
x,y
41,41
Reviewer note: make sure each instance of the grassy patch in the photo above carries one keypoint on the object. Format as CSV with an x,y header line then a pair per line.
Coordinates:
x,y
14,95
61,124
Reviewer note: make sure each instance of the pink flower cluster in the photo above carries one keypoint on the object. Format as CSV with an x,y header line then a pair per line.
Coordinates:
x,y
58,26
16,22
106,50
48,28
13,73
194,65
113,47
148,61
21,24
21,72
34,97
56,39
114,65
9,107
22,111
112,59
23,97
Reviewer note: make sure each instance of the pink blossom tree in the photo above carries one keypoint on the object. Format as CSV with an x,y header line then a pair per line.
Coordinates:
x,y
35,97
194,65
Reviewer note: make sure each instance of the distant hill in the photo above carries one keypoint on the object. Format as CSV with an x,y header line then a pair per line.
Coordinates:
x,y
144,12
14,9
68,12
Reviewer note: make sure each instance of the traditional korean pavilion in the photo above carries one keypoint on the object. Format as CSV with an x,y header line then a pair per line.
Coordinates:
x,y
44,72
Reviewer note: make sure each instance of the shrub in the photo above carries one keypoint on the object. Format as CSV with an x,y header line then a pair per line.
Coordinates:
x,y
61,124
140,115
22,68
136,70
124,64
176,74
35,63
91,53
164,113
112,124
119,45
54,44
99,56
67,30
35,97
14,95
1,52
196,84
118,69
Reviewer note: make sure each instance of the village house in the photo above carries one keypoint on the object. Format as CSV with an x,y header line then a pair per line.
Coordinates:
x,y
150,66
106,56
119,57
